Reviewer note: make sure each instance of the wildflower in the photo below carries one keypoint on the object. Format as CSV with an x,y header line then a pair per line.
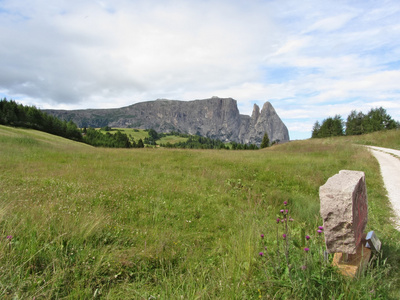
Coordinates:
x,y
320,228
308,237
286,211
306,249
303,267
262,236
291,219
261,253
319,231
285,203
282,211
278,220
284,236
9,237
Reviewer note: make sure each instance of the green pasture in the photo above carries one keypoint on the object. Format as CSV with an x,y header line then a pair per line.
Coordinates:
x,y
137,134
172,139
387,139
78,222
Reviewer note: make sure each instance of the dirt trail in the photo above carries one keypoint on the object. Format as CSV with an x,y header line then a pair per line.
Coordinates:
x,y
389,161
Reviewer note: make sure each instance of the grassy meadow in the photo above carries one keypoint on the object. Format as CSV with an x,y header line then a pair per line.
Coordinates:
x,y
78,222
137,134
387,139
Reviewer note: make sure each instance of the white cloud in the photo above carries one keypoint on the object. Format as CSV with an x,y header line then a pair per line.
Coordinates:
x,y
136,48
310,60
331,23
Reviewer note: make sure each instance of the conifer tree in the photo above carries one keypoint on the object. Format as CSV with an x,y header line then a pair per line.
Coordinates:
x,y
265,141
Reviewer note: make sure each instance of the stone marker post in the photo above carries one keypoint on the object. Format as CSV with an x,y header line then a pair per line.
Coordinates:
x,y
344,210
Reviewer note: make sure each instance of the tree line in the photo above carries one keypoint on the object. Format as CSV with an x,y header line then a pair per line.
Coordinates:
x,y
197,142
117,140
357,123
201,142
18,115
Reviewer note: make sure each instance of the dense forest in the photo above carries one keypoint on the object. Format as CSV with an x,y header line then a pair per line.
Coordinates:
x,y
357,123
117,140
18,115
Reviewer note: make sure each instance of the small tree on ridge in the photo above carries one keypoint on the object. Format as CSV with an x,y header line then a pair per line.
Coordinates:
x,y
265,141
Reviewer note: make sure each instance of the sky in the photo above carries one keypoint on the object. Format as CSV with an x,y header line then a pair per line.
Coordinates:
x,y
311,59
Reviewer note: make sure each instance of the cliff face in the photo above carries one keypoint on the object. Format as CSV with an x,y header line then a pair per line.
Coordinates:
x,y
216,118
266,121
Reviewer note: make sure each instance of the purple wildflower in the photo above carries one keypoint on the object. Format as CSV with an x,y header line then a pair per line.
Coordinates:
x,y
285,203
278,220
282,211
261,253
308,237
303,267
306,249
319,231
9,237
320,228
262,236
286,211
284,236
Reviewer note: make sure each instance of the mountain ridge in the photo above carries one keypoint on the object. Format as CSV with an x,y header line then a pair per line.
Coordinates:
x,y
215,117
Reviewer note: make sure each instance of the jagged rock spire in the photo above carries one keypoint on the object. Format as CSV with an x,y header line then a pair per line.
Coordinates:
x,y
216,118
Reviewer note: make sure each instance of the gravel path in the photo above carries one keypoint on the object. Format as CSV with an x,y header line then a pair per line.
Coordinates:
x,y
389,161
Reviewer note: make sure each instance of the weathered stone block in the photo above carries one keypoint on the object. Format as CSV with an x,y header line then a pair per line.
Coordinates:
x,y
344,210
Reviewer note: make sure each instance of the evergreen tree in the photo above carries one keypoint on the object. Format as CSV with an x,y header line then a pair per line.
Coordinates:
x,y
19,115
378,120
316,130
153,134
265,141
140,143
354,123
331,127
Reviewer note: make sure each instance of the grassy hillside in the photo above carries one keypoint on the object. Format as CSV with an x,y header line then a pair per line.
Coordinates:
x,y
172,139
137,134
84,222
387,139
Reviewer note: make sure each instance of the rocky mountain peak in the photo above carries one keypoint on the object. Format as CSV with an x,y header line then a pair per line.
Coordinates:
x,y
215,117
256,112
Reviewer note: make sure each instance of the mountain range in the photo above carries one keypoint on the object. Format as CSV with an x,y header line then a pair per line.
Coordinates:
x,y
216,118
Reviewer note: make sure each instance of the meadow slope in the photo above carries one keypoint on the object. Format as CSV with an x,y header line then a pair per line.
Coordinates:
x,y
84,222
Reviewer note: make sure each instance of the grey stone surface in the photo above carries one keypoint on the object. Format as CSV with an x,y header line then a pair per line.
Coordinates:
x,y
216,118
266,121
344,210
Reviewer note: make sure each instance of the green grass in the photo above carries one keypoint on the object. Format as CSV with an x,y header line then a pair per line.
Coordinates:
x,y
387,139
172,139
142,134
137,134
168,223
